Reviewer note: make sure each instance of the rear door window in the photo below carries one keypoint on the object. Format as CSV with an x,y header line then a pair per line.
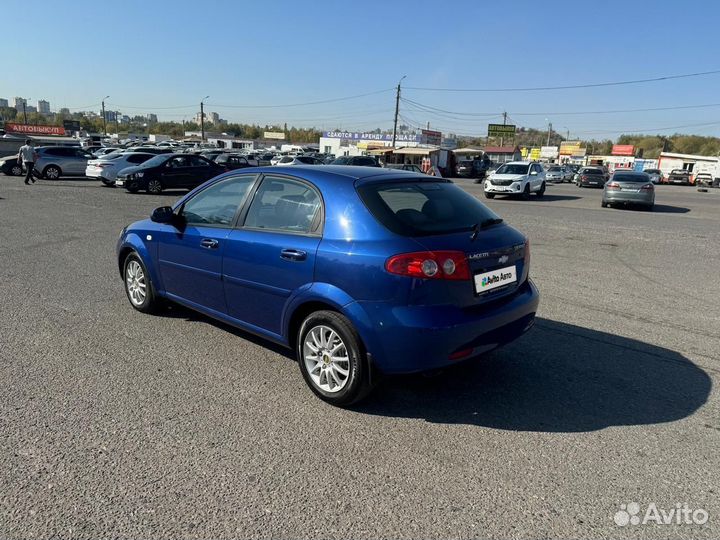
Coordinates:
x,y
424,208
282,204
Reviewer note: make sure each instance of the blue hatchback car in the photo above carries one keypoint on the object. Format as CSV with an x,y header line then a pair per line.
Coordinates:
x,y
362,271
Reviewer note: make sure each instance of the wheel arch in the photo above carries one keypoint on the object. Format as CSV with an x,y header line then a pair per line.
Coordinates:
x,y
133,243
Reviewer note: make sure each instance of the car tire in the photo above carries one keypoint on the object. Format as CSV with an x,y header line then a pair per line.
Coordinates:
x,y
154,186
604,204
526,192
540,192
16,170
138,286
51,172
321,333
108,183
489,195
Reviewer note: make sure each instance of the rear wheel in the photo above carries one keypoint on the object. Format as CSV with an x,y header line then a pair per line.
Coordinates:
x,y
604,204
541,191
108,183
489,195
52,172
331,358
16,170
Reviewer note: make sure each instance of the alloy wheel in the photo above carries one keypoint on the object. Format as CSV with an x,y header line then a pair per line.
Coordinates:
x,y
154,186
326,359
135,283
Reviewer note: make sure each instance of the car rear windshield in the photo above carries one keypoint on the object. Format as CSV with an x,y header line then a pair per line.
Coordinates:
x,y
424,208
628,177
592,171
512,169
554,169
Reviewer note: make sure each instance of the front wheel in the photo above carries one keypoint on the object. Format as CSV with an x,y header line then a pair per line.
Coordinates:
x,y
526,192
132,188
138,287
332,360
489,195
604,204
16,170
154,186
541,191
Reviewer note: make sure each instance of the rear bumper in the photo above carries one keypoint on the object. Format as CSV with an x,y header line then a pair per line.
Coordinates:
x,y
409,339
592,183
629,197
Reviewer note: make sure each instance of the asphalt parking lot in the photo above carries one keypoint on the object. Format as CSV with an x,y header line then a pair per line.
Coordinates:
x,y
117,424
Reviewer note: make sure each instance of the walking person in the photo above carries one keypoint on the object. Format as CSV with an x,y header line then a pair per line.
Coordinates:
x,y
27,156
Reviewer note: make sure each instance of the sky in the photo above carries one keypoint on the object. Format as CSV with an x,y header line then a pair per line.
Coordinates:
x,y
256,59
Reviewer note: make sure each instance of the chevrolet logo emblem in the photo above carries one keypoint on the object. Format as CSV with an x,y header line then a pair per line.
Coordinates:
x,y
503,259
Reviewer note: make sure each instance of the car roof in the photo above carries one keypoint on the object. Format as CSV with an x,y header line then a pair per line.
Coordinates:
x,y
325,173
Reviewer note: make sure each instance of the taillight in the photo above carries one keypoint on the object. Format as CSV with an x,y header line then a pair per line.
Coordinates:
x,y
647,187
430,265
612,185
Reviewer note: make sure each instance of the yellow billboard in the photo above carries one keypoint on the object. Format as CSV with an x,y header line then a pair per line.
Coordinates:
x,y
569,148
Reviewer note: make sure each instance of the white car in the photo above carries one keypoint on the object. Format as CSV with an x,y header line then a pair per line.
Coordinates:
x,y
274,160
107,168
516,178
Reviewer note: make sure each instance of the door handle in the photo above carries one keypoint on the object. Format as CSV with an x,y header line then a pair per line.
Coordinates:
x,y
293,255
209,243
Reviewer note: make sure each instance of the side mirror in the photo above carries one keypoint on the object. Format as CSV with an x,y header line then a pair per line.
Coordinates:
x,y
533,173
163,214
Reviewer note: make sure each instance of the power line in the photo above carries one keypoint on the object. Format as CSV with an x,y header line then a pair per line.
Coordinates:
x,y
567,87
320,102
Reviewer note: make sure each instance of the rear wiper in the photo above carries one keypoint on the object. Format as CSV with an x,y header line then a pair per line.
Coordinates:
x,y
483,225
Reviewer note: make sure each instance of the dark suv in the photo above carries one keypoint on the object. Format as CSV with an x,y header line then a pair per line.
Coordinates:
x,y
364,161
473,168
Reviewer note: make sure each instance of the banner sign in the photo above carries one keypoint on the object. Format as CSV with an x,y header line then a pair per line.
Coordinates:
x,y
34,130
274,135
71,125
570,148
623,150
355,136
501,130
534,154
431,137
550,152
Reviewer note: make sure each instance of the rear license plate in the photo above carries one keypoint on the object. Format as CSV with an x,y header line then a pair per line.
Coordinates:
x,y
494,279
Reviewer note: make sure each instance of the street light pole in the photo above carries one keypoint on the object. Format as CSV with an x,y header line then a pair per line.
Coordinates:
x,y
24,102
549,131
104,118
202,119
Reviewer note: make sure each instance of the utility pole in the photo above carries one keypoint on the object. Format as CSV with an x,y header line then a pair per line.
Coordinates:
x,y
397,110
24,102
549,131
502,139
202,119
104,117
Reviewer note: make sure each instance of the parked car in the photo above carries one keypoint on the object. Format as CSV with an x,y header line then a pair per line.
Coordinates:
x,y
629,188
592,176
108,167
390,272
151,149
679,176
9,165
103,151
703,179
363,161
516,178
298,160
555,173
473,168
168,171
655,175
230,162
56,161
404,167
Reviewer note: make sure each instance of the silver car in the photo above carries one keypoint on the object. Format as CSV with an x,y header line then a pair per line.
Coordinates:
x,y
56,161
629,188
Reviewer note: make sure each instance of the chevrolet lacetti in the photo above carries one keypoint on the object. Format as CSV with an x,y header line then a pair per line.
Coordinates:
x,y
362,271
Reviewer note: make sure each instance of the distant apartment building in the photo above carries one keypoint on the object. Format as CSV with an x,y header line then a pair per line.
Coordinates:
x,y
198,118
3,102
152,118
124,119
64,110
31,108
43,106
214,118
19,102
